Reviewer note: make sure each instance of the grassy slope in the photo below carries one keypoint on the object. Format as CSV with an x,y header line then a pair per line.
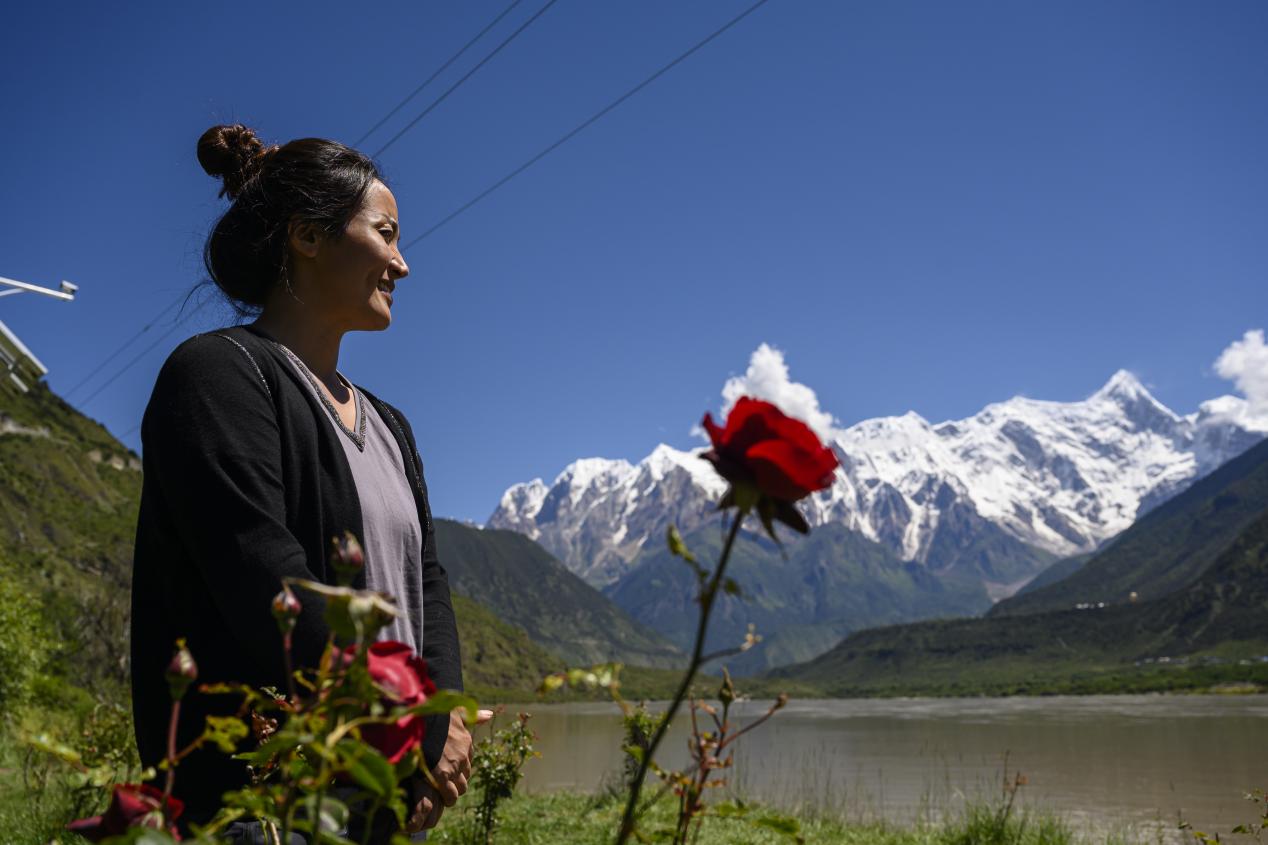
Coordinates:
x,y
68,506
803,600
1224,615
1062,569
1169,547
524,585
582,819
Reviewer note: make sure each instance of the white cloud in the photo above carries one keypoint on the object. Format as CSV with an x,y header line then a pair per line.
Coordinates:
x,y
767,378
1245,363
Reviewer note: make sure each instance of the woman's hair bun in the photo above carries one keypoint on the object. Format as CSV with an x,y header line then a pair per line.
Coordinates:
x,y
233,153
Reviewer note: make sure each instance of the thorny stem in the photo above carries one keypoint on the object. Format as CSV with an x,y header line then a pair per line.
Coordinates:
x,y
170,781
754,724
707,597
290,668
369,821
323,778
288,817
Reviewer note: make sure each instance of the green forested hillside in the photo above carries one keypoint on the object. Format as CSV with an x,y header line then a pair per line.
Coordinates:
x,y
1169,547
1214,630
68,504
802,599
522,584
1063,568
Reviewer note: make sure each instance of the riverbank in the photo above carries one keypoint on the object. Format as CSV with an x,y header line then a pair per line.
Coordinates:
x,y
1232,677
585,820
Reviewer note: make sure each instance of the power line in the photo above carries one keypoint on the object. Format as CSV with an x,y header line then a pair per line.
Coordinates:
x,y
126,344
437,73
496,20
465,77
584,124
508,177
130,364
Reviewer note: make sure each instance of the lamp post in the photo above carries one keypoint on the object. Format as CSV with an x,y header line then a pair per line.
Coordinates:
x,y
66,290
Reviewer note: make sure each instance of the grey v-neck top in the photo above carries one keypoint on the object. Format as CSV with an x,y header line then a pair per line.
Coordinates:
x,y
393,541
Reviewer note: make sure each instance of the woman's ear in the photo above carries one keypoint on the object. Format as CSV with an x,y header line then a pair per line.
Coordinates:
x,y
304,239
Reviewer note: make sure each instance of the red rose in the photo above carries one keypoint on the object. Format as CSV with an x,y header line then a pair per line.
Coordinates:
x,y
762,447
131,805
402,676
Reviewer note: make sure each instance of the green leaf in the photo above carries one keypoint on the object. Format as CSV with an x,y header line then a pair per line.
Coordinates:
x,y
334,817
367,767
352,614
677,546
249,693
279,743
225,732
49,745
445,701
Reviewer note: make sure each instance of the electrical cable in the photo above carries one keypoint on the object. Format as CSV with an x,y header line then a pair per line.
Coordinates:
x,y
525,25
583,125
129,365
496,20
437,73
599,115
116,353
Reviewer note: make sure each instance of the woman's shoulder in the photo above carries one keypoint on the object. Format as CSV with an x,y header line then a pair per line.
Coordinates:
x,y
223,355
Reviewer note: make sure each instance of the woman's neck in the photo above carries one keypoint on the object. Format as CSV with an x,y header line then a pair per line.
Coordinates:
x,y
315,344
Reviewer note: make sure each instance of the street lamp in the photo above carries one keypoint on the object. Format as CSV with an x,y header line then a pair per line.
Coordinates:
x,y
66,289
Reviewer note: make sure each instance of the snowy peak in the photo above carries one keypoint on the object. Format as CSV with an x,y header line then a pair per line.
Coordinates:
x,y
1060,477
1123,386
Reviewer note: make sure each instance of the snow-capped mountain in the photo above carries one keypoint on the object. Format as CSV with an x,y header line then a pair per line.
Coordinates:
x,y
1061,477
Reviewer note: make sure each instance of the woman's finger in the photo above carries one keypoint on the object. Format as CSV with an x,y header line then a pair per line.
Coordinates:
x,y
449,793
483,716
419,817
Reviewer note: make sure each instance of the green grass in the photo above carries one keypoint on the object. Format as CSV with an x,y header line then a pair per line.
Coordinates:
x,y
566,817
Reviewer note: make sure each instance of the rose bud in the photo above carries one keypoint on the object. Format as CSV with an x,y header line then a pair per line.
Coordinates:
x,y
181,671
131,805
286,609
346,556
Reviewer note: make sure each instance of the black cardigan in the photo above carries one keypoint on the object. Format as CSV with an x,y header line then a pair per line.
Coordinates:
x,y
245,483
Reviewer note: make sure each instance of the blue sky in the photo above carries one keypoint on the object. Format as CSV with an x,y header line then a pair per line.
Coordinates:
x,y
925,206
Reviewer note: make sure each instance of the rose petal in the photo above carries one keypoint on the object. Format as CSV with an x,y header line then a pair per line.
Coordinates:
x,y
787,472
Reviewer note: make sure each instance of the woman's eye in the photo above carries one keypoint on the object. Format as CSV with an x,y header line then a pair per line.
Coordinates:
x,y
387,234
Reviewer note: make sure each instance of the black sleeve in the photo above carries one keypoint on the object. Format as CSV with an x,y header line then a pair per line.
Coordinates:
x,y
212,439
440,630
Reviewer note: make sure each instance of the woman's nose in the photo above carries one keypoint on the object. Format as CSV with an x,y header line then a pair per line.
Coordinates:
x,y
398,266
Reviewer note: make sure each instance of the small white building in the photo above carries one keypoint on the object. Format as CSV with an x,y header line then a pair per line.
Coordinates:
x,y
21,365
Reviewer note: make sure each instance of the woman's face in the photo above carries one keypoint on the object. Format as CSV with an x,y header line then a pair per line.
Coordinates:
x,y
353,276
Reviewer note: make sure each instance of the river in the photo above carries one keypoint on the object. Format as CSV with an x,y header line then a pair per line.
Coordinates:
x,y
1107,764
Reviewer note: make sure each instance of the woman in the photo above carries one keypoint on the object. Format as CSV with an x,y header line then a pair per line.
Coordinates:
x,y
257,451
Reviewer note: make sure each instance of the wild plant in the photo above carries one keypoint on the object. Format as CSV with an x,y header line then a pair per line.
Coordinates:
x,y
330,757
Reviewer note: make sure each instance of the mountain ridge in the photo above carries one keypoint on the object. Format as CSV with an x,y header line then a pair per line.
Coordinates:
x,y
1057,477
1218,624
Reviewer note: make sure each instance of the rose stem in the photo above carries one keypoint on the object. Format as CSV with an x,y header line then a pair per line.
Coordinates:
x,y
706,606
171,755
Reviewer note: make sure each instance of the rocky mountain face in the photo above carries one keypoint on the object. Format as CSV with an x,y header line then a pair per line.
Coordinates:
x,y
1001,493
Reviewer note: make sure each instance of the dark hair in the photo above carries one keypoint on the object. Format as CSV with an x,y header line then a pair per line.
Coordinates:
x,y
310,180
